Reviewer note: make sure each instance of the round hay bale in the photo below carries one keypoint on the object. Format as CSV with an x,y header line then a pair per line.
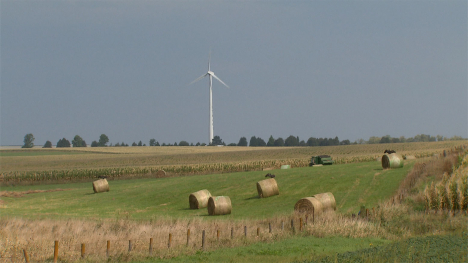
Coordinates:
x,y
160,173
199,199
219,205
327,200
306,204
100,186
286,166
267,188
392,161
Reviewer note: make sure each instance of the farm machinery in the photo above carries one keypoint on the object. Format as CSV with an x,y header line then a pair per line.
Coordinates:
x,y
321,159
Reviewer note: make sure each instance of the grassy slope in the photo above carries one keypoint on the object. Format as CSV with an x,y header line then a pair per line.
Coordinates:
x,y
352,185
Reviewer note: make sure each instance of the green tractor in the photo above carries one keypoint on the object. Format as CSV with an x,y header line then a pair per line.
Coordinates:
x,y
321,159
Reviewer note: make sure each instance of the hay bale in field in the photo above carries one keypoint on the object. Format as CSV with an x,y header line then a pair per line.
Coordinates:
x,y
219,205
160,173
393,160
308,204
267,188
286,166
100,186
327,200
199,199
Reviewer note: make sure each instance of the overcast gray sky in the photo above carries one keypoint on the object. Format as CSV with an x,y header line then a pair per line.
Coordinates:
x,y
351,69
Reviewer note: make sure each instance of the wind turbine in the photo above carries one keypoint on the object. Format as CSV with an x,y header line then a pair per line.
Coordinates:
x,y
211,75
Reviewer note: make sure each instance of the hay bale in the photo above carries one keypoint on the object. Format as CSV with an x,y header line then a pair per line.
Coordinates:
x,y
392,161
286,166
267,188
100,186
219,205
160,173
199,199
327,200
306,204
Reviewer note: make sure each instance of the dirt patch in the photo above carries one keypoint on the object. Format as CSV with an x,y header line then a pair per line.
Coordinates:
x,y
21,194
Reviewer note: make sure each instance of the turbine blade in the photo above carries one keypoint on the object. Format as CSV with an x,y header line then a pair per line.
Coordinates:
x,y
219,80
202,76
209,60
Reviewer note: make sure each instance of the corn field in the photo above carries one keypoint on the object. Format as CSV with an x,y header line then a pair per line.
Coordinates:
x,y
450,193
117,162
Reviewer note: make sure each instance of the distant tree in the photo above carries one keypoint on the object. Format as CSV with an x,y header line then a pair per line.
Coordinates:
x,y
374,140
134,144
260,142
360,141
94,144
345,142
279,142
28,141
175,143
312,142
203,144
395,140
157,143
103,140
242,142
253,141
191,144
232,144
217,141
78,141
140,143
385,139
302,143
440,138
164,144
271,141
198,144
335,141
184,143
63,143
48,144
402,139
117,145
152,142
291,141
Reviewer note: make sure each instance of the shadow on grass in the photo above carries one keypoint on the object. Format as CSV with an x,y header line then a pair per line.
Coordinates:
x,y
253,197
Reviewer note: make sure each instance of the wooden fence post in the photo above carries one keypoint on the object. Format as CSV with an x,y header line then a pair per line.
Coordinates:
x,y
108,248
203,239
151,246
188,236
258,231
232,232
217,235
83,250
269,227
56,251
292,226
26,257
245,231
129,246
170,240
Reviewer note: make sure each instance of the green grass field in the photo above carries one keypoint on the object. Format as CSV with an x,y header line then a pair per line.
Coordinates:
x,y
353,185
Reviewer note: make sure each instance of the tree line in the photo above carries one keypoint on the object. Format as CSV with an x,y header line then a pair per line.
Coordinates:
x,y
254,141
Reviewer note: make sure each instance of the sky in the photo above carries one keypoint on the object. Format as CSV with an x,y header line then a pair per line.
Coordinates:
x,y
352,69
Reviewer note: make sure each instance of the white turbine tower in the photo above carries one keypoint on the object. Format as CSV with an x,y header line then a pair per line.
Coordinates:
x,y
211,75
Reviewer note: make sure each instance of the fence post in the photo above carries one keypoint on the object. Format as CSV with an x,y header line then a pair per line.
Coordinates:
x,y
188,236
258,231
245,231
26,257
217,235
203,239
56,251
232,232
282,225
151,246
83,250
170,240
108,248
129,246
269,227
292,226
